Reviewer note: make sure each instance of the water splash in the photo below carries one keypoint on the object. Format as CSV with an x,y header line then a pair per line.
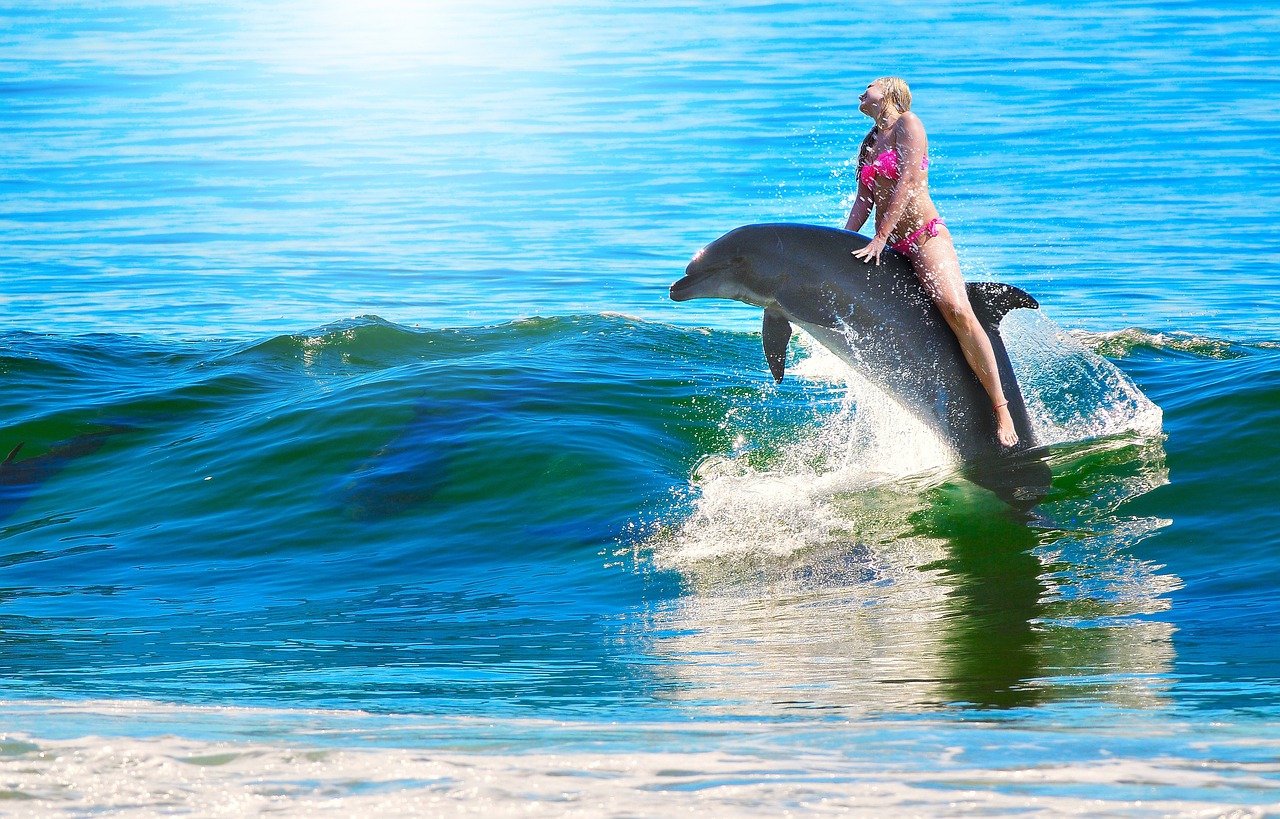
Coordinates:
x,y
1073,394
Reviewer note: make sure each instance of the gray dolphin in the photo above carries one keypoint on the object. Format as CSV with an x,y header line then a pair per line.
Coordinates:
x,y
880,320
409,469
19,479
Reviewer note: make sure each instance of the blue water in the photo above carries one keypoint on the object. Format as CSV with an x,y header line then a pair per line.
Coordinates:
x,y
355,417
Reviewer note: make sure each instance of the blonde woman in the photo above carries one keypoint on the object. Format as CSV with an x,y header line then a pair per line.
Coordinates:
x,y
893,178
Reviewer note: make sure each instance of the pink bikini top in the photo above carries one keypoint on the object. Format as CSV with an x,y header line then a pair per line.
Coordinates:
x,y
887,166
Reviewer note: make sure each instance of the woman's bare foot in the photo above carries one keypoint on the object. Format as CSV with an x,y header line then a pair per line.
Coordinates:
x,y
1004,426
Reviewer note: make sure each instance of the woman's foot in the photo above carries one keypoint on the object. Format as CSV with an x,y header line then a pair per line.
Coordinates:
x,y
1004,426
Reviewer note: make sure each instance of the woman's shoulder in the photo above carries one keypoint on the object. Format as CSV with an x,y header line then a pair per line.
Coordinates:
x,y
908,131
909,123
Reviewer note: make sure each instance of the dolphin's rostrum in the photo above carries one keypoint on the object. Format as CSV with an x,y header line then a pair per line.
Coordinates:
x,y
879,320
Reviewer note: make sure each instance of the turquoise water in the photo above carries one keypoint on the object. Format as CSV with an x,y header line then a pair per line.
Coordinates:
x,y
366,465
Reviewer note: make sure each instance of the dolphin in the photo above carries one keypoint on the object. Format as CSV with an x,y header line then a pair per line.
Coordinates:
x,y
414,465
879,320
19,479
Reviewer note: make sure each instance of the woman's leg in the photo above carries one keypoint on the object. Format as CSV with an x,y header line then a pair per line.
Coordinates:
x,y
938,268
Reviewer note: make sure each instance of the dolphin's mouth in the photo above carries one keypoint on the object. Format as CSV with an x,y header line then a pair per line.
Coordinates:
x,y
688,287
682,290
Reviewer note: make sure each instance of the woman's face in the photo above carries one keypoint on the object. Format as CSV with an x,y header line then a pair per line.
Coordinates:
x,y
871,101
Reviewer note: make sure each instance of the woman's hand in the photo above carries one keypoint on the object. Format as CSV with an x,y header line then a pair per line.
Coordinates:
x,y
872,251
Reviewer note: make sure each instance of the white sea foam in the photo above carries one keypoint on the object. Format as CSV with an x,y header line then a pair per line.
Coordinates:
x,y
137,775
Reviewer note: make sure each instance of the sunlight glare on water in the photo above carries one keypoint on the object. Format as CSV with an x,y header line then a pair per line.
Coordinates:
x,y
380,36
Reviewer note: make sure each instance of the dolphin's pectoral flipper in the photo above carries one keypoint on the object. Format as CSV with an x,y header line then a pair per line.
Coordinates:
x,y
14,453
992,300
777,334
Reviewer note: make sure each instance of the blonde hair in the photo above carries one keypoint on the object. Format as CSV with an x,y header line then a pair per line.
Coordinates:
x,y
897,92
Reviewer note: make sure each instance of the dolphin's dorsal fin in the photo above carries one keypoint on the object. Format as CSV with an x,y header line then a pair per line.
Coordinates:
x,y
992,300
777,333
13,453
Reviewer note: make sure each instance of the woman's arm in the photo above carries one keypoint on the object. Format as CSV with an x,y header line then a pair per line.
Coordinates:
x,y
862,201
861,208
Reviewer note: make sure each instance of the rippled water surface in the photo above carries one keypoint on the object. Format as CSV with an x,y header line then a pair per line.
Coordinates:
x,y
359,461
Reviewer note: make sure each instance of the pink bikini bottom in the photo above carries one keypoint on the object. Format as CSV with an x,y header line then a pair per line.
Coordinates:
x,y
906,244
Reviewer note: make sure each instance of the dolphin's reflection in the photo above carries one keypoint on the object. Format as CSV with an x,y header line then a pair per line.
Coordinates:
x,y
912,600
994,598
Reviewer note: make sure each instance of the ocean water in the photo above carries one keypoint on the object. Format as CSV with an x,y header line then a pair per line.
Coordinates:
x,y
361,465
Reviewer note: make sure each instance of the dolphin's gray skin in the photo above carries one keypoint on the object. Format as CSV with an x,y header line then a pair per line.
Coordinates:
x,y
19,479
412,467
880,320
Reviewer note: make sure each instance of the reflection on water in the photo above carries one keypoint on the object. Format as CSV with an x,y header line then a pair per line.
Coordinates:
x,y
890,599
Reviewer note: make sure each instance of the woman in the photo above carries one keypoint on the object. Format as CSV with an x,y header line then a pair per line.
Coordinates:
x,y
893,177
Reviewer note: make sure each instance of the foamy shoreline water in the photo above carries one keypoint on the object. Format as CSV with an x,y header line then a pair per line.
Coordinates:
x,y
759,771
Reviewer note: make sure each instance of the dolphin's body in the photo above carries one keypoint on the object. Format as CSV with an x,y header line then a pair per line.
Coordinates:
x,y
19,479
879,319
406,472
412,467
